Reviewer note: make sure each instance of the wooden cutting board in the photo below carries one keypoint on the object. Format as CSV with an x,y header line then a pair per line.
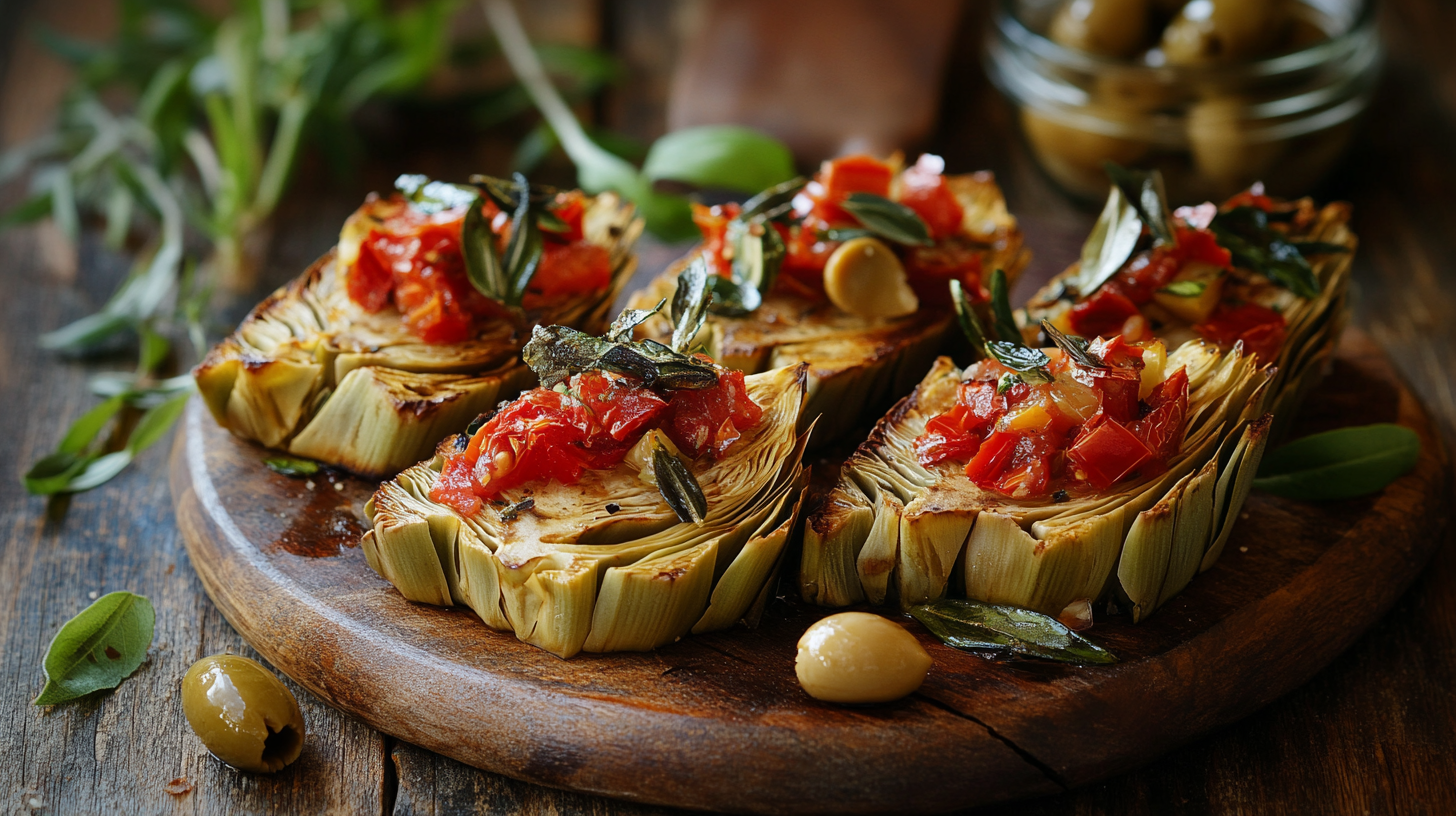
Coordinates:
x,y
719,722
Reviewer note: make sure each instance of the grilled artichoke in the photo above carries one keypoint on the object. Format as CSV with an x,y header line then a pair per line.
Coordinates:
x,y
893,530
857,365
604,564
311,372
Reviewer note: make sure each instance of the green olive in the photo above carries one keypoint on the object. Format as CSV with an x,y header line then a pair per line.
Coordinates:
x,y
1208,31
244,715
1111,28
1227,155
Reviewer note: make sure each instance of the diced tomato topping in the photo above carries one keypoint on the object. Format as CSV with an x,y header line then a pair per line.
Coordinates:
x,y
924,190
547,434
1162,429
1031,438
1262,330
567,270
713,223
711,418
839,177
1102,314
991,459
413,260
1107,453
1252,197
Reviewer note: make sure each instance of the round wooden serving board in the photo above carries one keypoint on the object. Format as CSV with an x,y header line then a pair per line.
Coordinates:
x,y
719,722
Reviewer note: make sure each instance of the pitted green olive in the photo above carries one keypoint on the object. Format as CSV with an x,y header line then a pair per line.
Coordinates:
x,y
242,712
1111,28
1208,31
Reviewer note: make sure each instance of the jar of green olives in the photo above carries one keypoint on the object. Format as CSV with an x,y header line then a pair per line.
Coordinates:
x,y
1216,94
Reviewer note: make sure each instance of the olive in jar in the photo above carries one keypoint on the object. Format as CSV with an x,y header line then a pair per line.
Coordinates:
x,y
242,712
857,657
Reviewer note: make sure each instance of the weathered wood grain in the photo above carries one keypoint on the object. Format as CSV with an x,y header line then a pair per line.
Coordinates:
x,y
1371,733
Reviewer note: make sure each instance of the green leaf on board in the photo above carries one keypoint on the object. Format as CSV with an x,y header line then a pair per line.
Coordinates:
x,y
98,648
1340,464
1007,629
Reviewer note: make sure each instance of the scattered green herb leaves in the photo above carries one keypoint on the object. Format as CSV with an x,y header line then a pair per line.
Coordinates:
x,y
80,464
678,486
296,468
1008,630
1030,363
966,316
888,219
1245,232
1006,328
1340,464
98,648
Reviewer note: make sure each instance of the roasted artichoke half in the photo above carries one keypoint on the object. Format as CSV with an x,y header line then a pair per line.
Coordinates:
x,y
894,531
604,564
311,372
857,365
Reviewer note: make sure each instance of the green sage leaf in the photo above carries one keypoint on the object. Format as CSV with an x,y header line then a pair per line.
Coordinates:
x,y
524,249
888,219
690,302
1078,348
1030,363
1009,630
678,486
1246,234
295,468
98,648
773,202
1340,464
1006,328
621,329
732,297
966,316
1109,245
514,509
1144,190
478,246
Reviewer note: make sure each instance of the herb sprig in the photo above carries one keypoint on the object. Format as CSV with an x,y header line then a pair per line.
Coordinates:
x,y
1002,342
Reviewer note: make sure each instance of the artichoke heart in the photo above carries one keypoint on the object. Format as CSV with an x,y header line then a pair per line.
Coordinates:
x,y
311,372
857,365
604,565
893,531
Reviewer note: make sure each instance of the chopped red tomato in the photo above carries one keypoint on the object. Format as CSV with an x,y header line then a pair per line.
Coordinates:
x,y
1107,453
713,223
1073,431
1103,314
838,178
1261,330
566,270
371,282
991,459
618,407
1150,271
455,486
924,190
570,207
1162,429
711,418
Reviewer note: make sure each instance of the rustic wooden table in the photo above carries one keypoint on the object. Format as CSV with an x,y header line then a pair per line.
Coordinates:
x,y
1374,733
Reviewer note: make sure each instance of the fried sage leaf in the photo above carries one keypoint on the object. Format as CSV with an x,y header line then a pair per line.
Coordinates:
x,y
557,352
888,219
1245,232
478,246
524,249
1073,346
1007,629
733,297
1144,190
690,304
292,467
679,487
1340,464
503,277
1110,244
621,329
98,648
1006,328
431,197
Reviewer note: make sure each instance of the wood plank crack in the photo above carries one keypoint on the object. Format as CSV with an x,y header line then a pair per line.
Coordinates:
x,y
1046,770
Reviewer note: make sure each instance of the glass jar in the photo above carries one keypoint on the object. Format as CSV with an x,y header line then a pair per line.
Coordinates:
x,y
1211,129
